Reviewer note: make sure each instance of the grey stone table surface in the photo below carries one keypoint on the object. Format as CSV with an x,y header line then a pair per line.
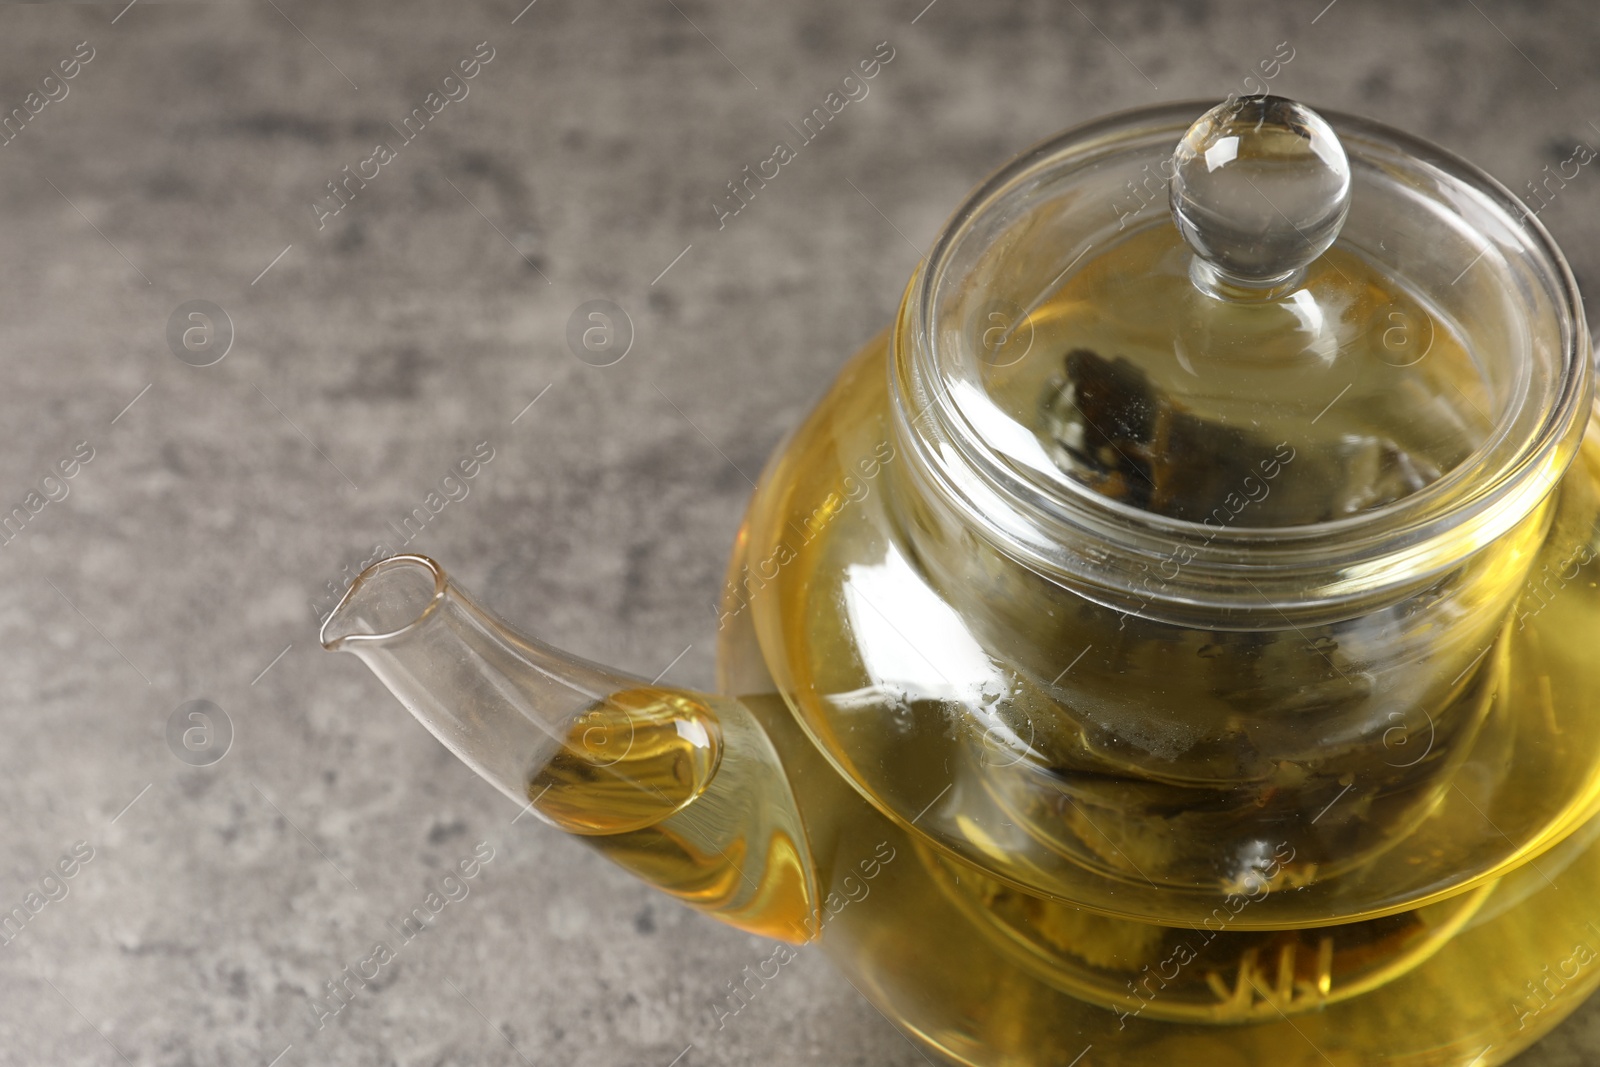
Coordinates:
x,y
189,157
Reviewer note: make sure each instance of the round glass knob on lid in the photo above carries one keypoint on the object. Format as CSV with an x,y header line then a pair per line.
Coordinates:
x,y
1260,188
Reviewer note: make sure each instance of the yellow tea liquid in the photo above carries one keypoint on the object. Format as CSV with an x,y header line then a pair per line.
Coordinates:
x,y
1116,842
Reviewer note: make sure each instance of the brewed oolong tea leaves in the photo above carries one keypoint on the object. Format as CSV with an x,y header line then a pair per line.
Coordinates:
x,y
1114,430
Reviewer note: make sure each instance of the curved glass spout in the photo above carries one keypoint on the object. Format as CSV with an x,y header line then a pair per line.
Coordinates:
x,y
683,789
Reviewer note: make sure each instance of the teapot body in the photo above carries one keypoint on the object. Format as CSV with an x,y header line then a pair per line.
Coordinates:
x,y
1006,906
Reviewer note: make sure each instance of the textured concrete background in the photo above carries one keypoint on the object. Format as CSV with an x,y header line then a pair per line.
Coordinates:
x,y
377,351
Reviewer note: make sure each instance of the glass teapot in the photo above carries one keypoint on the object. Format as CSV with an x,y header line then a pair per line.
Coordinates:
x,y
1173,641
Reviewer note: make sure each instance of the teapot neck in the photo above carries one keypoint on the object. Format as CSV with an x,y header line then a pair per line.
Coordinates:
x,y
507,705
682,789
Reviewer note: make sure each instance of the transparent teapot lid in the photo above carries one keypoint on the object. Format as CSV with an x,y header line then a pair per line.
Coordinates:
x,y
1220,348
